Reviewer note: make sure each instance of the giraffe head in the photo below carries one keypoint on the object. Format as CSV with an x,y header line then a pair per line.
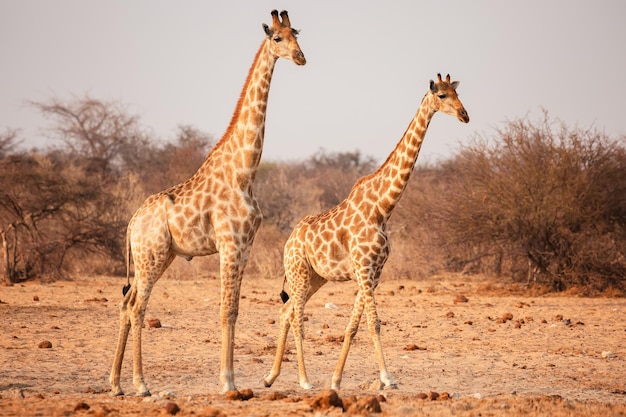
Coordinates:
x,y
283,39
445,99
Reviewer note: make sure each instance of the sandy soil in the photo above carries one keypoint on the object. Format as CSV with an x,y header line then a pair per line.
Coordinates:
x,y
484,351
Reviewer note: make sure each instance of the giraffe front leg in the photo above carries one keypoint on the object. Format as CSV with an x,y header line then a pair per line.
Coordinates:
x,y
229,311
373,324
351,330
285,317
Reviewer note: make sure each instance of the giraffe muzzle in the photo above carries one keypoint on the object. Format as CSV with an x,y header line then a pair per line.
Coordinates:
x,y
463,116
298,58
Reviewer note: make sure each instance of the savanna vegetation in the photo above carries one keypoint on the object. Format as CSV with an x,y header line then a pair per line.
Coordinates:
x,y
537,203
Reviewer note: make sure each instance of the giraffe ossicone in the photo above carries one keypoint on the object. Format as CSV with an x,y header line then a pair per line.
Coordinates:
x,y
214,211
349,241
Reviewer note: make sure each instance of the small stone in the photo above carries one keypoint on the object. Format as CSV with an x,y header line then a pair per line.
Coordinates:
x,y
432,395
246,394
413,346
460,299
365,405
506,317
233,395
169,395
450,314
46,344
607,354
154,323
81,406
444,396
36,298
172,408
271,321
325,400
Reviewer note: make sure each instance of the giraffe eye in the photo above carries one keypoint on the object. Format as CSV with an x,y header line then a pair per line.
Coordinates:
x,y
278,39
441,96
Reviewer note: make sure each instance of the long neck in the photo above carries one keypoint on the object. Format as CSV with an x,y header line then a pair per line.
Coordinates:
x,y
390,180
241,146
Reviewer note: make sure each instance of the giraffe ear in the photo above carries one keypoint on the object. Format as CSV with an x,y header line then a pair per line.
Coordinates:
x,y
433,86
268,31
455,84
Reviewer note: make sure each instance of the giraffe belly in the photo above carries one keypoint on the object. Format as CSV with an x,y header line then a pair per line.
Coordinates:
x,y
332,268
193,241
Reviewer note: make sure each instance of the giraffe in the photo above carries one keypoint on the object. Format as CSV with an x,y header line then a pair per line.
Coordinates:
x,y
349,241
214,211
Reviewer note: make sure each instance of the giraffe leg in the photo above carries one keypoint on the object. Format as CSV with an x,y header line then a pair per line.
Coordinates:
x,y
315,282
285,318
116,370
137,314
287,314
229,310
373,324
351,330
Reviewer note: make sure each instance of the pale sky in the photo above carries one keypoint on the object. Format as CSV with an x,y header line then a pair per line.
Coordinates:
x,y
368,66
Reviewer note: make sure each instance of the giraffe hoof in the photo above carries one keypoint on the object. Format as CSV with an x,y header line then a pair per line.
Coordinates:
x,y
117,393
391,386
143,394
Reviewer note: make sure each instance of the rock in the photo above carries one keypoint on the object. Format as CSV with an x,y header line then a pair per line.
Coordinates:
x,y
607,354
325,400
273,396
81,406
432,395
460,299
46,344
169,395
233,395
172,408
246,394
413,346
154,323
331,306
364,405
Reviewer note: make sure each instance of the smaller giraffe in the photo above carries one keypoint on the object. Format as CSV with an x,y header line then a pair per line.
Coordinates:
x,y
350,241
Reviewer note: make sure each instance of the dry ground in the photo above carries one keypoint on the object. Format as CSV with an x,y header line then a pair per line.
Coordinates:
x,y
493,353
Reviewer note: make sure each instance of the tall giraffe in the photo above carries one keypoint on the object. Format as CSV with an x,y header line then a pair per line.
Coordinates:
x,y
350,240
214,211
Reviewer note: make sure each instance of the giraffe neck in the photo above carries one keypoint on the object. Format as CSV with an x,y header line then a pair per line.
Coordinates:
x,y
390,180
242,144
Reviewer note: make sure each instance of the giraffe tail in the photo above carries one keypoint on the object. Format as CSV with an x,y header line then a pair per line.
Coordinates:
x,y
127,250
283,295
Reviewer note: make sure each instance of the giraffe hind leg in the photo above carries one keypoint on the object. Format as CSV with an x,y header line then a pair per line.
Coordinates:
x,y
286,315
116,370
287,320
